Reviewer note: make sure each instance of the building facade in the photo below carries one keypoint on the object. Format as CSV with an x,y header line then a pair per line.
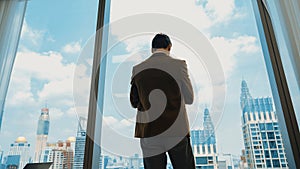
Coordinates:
x,y
135,162
11,162
262,138
229,161
42,134
20,150
60,153
1,155
204,144
80,144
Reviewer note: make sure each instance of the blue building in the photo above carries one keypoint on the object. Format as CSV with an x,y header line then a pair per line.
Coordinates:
x,y
262,138
13,161
1,156
19,153
80,144
42,134
204,144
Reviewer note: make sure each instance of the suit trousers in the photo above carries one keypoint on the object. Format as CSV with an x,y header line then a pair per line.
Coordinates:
x,y
181,155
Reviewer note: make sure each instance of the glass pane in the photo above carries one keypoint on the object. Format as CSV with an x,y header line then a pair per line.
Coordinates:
x,y
287,36
46,106
11,20
233,108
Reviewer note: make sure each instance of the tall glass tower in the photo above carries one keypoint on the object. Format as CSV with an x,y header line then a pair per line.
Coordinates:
x,y
204,144
42,134
262,138
80,144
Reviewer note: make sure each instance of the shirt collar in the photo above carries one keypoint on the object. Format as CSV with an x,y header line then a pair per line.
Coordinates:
x,y
162,51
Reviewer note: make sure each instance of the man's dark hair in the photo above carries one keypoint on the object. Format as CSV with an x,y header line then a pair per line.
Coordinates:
x,y
161,41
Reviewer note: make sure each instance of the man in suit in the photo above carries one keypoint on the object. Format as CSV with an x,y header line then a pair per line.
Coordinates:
x,y
160,88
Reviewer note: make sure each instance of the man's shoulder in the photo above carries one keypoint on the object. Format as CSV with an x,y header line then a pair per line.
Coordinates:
x,y
176,62
152,63
181,61
139,64
169,59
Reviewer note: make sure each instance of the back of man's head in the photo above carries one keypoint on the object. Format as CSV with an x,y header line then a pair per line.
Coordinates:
x,y
161,41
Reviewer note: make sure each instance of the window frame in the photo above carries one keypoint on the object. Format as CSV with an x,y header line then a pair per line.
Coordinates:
x,y
92,151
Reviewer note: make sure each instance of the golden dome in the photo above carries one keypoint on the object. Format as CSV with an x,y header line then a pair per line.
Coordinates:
x,y
71,139
21,140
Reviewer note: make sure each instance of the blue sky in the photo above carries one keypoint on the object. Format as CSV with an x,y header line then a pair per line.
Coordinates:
x,y
56,32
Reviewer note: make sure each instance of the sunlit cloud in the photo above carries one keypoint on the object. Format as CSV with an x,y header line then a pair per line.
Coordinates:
x,y
72,48
31,35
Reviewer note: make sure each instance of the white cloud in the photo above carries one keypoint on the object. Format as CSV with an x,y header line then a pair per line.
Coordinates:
x,y
34,36
58,92
89,61
229,49
19,90
134,44
135,58
118,125
56,113
110,120
73,47
219,10
203,16
55,81
126,122
78,111
43,66
50,39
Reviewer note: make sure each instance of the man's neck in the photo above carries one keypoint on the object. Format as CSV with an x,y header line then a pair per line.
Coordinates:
x,y
162,51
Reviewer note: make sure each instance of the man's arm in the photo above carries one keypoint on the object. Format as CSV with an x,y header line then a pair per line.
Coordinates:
x,y
186,86
134,97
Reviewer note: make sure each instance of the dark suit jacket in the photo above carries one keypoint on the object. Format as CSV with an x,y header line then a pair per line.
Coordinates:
x,y
162,112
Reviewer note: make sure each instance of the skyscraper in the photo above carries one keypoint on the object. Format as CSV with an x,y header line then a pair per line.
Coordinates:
x,y
80,143
11,162
60,153
135,162
104,161
204,144
42,134
262,138
1,155
19,150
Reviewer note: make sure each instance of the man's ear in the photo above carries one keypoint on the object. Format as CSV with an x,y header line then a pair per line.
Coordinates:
x,y
169,47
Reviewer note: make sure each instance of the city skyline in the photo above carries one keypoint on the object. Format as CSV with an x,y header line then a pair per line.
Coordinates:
x,y
203,141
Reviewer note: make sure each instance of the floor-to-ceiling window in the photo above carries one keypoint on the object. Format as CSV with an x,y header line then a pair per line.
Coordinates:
x,y
45,115
233,95
285,19
280,24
